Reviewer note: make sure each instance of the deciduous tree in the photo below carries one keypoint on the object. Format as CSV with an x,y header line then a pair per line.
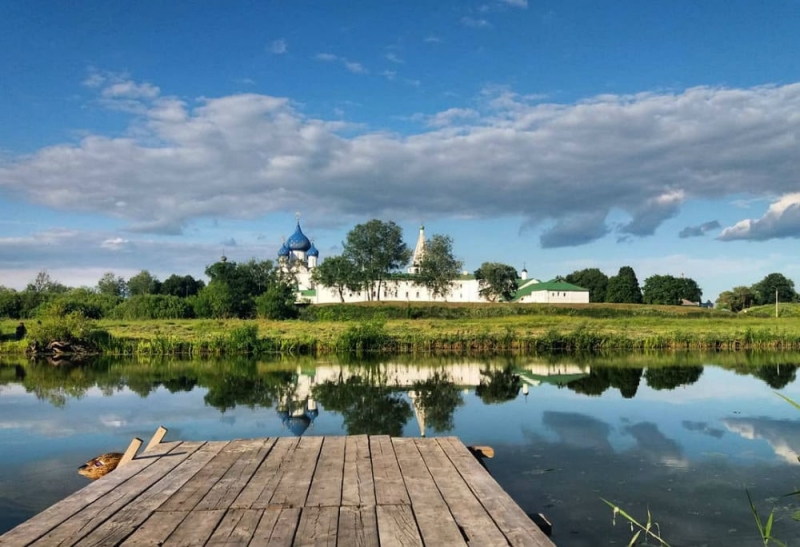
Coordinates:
x,y
624,287
438,268
143,283
775,282
338,273
112,285
496,281
736,299
669,290
592,279
376,248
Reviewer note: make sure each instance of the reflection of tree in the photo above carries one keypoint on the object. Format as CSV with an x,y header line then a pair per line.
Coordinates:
x,y
438,397
500,385
625,379
672,377
776,376
256,390
367,405
593,385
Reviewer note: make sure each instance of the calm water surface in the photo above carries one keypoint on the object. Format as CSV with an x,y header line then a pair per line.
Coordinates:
x,y
683,434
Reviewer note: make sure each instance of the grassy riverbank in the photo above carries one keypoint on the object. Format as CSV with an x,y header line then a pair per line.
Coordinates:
x,y
445,327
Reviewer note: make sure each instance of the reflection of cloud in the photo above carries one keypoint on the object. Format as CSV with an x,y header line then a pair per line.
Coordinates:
x,y
703,427
782,435
579,430
656,446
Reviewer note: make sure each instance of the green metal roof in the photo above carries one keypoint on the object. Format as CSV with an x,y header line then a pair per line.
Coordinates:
x,y
309,292
555,286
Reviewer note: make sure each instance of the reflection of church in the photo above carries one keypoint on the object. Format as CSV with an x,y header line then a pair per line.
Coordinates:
x,y
297,408
297,414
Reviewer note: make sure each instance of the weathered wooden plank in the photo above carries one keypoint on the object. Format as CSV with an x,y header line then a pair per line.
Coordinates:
x,y
434,520
397,527
133,448
263,531
251,454
195,529
358,527
293,487
281,534
198,486
257,493
389,486
236,529
79,525
317,527
132,515
156,439
54,515
156,529
358,486
477,525
510,518
326,485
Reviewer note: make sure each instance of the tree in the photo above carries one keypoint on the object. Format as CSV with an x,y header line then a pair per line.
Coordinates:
x,y
215,300
10,303
278,302
43,283
592,279
766,288
242,282
376,249
143,283
438,268
669,290
736,299
624,287
496,281
183,287
338,273
111,285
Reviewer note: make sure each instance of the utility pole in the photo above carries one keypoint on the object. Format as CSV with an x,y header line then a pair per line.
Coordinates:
x,y
776,302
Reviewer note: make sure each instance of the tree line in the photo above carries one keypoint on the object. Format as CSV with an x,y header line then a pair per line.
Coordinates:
x,y
373,256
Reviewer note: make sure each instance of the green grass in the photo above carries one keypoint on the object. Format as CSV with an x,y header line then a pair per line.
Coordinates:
x,y
484,328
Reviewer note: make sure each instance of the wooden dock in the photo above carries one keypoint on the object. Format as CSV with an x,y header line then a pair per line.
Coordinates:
x,y
347,491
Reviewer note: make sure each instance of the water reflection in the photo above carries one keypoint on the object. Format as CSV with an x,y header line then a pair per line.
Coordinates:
x,y
681,433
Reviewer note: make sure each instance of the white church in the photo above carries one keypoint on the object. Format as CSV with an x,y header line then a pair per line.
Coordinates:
x,y
298,256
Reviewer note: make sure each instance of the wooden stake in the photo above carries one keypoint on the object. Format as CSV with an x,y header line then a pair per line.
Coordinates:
x,y
157,437
482,451
129,454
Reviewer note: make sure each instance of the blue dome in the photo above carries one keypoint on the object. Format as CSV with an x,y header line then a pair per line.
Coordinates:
x,y
312,251
312,414
298,240
283,251
299,424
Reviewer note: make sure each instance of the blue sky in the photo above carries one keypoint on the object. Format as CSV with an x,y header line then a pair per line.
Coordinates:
x,y
557,135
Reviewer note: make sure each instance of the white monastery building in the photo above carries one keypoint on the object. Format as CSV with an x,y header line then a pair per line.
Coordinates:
x,y
299,256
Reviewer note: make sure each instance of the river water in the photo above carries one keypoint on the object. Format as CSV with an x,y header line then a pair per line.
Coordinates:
x,y
685,435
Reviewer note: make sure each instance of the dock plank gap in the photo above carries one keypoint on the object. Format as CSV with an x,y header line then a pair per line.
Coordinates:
x,y
348,491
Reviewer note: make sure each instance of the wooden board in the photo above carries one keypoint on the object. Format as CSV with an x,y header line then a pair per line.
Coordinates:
x,y
348,491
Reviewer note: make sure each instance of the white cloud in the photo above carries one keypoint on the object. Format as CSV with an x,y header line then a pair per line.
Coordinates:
x,y
355,68
389,74
516,3
129,89
394,58
432,39
472,22
116,244
782,219
278,47
562,165
352,66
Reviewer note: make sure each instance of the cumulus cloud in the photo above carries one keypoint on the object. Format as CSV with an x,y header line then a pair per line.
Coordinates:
x,y
701,230
516,3
394,58
782,219
566,166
